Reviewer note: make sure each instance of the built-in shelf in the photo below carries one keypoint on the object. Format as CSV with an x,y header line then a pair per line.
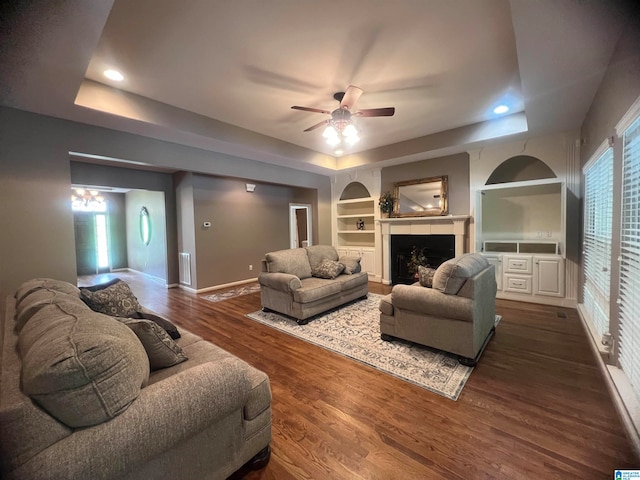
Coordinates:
x,y
352,213
520,246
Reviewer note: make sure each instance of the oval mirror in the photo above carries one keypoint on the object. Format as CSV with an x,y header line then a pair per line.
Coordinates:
x,y
145,226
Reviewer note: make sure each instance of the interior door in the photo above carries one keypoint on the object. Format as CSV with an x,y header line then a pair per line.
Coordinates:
x,y
86,246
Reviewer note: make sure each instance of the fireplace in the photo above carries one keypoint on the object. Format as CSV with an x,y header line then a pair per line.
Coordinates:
x,y
435,248
444,225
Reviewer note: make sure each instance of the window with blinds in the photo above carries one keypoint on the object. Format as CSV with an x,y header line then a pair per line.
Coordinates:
x,y
598,216
629,295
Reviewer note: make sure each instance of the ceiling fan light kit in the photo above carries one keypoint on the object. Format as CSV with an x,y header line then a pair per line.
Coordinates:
x,y
340,127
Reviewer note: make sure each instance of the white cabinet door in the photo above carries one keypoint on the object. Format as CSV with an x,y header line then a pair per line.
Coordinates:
x,y
367,257
548,276
496,261
368,261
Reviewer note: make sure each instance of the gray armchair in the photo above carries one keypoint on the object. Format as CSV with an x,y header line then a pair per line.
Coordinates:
x,y
456,315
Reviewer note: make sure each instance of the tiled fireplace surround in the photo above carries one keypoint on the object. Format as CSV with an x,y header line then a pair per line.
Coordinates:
x,y
446,225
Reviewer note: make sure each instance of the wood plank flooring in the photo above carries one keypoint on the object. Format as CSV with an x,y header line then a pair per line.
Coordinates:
x,y
535,407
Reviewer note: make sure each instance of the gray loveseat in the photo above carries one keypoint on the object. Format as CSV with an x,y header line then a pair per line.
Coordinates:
x,y
84,397
303,282
457,314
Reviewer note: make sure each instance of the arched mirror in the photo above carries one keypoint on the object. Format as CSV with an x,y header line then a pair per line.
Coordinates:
x,y
421,198
145,226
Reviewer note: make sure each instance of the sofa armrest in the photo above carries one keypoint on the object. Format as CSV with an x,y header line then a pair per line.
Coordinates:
x,y
165,414
284,282
432,302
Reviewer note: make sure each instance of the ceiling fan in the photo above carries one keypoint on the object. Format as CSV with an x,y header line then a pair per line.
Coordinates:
x,y
341,116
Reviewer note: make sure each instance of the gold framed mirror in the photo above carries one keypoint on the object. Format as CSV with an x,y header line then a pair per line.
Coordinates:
x,y
421,198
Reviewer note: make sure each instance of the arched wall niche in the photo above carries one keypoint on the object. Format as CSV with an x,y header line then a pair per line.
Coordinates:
x,y
520,168
354,190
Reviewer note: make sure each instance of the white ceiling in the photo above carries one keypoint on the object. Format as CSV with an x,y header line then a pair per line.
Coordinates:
x,y
222,75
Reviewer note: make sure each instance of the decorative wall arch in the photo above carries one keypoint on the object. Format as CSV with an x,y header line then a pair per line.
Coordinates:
x,y
520,168
354,190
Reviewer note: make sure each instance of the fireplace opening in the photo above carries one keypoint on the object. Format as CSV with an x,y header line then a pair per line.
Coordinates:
x,y
434,250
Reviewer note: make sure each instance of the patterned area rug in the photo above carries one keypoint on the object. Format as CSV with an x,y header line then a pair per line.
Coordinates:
x,y
236,292
354,331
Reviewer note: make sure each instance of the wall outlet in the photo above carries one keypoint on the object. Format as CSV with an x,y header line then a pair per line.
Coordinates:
x,y
250,267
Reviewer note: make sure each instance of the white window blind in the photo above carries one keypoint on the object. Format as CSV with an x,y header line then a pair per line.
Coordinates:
x,y
630,257
598,216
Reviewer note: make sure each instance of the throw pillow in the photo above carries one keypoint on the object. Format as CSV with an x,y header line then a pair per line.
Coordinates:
x,y
351,264
115,299
328,269
162,351
425,276
168,327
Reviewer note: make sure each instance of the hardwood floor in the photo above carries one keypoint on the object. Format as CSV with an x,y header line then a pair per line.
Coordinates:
x,y
535,407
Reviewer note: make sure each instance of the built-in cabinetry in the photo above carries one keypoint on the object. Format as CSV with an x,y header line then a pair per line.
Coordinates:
x,y
521,231
367,256
356,230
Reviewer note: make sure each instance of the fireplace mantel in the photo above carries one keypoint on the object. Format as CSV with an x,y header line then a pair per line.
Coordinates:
x,y
440,225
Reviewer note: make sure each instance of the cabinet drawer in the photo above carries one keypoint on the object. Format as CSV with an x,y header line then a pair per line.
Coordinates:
x,y
518,264
518,284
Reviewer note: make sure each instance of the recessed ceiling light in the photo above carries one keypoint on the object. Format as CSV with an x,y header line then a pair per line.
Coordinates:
x,y
113,75
500,109
339,152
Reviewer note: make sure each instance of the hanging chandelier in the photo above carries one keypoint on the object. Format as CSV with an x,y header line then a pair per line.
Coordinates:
x,y
86,199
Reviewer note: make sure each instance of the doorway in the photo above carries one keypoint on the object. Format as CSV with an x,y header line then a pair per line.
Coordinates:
x,y
92,248
300,225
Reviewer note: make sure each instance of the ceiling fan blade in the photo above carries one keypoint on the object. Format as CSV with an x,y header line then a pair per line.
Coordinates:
x,y
376,112
350,98
318,125
309,109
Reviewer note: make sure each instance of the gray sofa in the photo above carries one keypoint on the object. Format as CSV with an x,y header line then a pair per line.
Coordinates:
x,y
303,282
457,314
87,396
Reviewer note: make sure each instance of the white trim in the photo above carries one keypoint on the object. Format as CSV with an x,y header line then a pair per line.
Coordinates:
x,y
218,287
624,399
293,230
602,148
628,118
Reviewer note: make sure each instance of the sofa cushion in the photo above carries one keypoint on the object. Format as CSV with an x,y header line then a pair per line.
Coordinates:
x,y
114,298
425,276
313,289
294,261
351,264
161,349
37,299
31,286
347,282
82,367
317,253
452,274
328,269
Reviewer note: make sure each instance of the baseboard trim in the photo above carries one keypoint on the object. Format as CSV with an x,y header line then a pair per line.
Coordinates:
x,y
624,399
218,287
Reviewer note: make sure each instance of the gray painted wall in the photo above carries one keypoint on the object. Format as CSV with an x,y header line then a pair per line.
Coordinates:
x,y
456,167
244,226
38,238
150,259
